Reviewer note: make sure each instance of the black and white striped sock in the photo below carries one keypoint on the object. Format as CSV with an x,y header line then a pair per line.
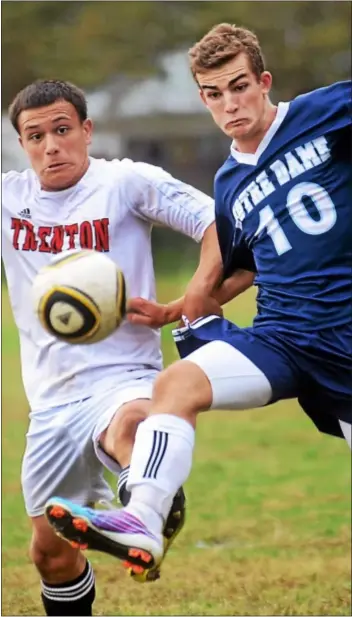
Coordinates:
x,y
123,494
161,462
73,598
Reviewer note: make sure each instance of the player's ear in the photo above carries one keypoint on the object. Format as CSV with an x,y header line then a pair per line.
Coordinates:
x,y
88,130
266,80
20,141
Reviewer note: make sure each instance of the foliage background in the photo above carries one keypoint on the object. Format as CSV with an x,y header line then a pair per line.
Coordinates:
x,y
306,44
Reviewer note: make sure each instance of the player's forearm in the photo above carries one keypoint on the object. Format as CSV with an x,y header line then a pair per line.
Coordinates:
x,y
240,281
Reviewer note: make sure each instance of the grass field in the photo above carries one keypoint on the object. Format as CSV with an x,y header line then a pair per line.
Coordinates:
x,y
268,529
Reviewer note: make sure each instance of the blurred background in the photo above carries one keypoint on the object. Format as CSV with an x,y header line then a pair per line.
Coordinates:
x,y
131,59
269,525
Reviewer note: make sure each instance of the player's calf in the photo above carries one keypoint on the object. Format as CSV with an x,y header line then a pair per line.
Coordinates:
x,y
67,579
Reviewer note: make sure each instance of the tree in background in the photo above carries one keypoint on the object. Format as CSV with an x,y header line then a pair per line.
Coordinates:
x,y
306,44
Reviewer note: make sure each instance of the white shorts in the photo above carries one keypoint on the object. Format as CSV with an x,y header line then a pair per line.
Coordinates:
x,y
62,455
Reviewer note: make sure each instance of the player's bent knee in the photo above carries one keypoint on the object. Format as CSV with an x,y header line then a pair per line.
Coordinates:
x,y
53,564
124,425
54,558
118,438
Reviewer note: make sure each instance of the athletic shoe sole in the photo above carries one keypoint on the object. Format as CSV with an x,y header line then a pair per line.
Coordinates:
x,y
71,524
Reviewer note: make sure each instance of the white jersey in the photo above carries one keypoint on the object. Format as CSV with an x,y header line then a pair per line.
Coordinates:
x,y
111,209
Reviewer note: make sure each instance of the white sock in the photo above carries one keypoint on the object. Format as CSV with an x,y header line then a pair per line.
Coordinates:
x,y
161,463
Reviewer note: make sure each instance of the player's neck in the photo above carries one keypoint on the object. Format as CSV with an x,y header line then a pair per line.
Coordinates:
x,y
250,143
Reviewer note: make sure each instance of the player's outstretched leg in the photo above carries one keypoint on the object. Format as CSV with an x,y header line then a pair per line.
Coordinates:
x,y
115,532
134,534
216,374
172,527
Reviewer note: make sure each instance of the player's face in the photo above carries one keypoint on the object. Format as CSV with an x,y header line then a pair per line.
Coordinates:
x,y
56,142
236,98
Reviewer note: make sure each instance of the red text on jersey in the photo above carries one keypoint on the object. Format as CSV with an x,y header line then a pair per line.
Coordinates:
x,y
51,239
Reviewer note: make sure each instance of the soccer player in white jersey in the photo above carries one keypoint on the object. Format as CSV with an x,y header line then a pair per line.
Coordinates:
x,y
87,401
285,193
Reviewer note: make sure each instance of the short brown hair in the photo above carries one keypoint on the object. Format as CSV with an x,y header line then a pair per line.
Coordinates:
x,y
223,43
46,92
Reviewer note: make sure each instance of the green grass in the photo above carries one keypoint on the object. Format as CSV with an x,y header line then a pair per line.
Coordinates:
x,y
268,529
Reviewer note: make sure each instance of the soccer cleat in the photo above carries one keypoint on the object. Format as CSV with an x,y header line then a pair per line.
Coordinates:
x,y
174,523
115,532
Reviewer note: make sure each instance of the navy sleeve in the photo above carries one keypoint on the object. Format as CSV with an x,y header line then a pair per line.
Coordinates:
x,y
330,107
242,257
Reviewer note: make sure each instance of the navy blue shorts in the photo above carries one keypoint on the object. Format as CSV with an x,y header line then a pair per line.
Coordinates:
x,y
315,368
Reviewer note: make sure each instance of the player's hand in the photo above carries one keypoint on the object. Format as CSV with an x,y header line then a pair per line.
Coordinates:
x,y
199,304
144,312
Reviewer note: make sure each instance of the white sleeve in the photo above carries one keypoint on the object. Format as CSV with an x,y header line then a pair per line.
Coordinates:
x,y
7,179
11,184
154,195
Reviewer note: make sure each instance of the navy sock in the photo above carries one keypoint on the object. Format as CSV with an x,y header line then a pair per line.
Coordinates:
x,y
72,598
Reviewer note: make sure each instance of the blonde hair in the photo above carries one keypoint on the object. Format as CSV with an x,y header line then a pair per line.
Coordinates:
x,y
223,43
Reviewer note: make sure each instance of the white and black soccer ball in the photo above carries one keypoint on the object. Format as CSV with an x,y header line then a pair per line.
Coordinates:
x,y
80,297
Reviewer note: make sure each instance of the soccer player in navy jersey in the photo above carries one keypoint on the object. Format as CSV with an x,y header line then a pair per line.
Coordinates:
x,y
284,194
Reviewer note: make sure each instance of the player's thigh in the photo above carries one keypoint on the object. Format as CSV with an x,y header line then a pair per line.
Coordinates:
x,y
236,382
59,458
244,372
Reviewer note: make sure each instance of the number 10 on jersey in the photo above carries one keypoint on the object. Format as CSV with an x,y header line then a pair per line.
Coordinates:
x,y
299,215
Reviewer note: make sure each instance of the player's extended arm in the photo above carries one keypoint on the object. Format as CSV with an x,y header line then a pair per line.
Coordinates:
x,y
205,293
155,315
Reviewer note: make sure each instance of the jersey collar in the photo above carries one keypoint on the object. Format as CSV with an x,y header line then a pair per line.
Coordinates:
x,y
252,159
64,193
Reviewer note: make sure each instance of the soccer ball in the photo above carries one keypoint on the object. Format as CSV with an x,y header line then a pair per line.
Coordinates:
x,y
80,297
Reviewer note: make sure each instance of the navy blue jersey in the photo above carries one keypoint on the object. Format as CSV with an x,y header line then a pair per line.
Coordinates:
x,y
291,204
